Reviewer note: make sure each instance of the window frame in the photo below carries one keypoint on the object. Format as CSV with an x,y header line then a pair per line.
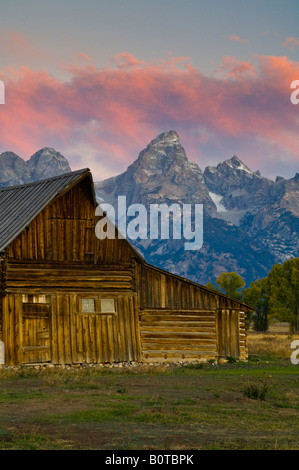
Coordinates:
x,y
97,305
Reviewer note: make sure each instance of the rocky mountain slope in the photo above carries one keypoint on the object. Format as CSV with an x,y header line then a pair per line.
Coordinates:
x,y
267,211
42,165
249,221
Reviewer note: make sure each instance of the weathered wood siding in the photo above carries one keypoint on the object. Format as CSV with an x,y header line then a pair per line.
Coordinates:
x,y
37,277
178,335
182,321
1,323
65,232
160,290
56,331
243,336
3,277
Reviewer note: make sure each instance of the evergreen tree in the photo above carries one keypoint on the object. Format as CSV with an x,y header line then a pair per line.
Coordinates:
x,y
257,296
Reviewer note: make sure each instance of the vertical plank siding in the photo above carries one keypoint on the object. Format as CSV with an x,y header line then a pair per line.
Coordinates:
x,y
229,333
57,332
166,291
65,232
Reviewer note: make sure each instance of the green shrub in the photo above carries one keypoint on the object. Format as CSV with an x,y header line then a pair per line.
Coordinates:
x,y
231,359
256,389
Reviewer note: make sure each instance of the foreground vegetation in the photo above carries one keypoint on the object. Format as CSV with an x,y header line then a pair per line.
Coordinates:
x,y
234,405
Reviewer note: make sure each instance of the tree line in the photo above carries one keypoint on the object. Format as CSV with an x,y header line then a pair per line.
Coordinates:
x,y
275,297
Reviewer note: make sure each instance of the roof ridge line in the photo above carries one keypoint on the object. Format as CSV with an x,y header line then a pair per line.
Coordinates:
x,y
52,178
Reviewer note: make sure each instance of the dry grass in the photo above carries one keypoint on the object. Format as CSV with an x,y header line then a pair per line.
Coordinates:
x,y
275,343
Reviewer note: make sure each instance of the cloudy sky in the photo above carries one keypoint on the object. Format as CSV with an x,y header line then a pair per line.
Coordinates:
x,y
99,79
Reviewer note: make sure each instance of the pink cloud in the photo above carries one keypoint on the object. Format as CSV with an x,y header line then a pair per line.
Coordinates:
x,y
234,37
84,56
291,43
126,60
108,115
16,46
233,68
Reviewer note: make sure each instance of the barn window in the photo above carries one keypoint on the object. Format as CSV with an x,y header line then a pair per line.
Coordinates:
x,y
88,305
107,305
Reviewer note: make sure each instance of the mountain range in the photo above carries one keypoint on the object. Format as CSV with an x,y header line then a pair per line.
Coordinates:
x,y
249,222
43,164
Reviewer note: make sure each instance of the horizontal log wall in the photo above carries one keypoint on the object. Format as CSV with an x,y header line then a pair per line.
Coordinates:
x,y
40,276
175,336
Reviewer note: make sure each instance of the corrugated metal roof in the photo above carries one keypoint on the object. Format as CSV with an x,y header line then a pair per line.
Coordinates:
x,y
19,205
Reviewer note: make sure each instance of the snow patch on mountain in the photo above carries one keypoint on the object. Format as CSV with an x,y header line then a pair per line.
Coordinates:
x,y
217,199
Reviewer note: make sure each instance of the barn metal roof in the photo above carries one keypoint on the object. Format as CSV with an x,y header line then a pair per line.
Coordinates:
x,y
19,205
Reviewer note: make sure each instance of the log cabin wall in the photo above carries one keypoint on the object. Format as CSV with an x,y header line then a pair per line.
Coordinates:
x,y
182,321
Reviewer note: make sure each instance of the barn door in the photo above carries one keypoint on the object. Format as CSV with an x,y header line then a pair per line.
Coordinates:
x,y
36,333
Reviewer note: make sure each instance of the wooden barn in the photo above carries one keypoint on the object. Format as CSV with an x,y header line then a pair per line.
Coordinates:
x,y
67,297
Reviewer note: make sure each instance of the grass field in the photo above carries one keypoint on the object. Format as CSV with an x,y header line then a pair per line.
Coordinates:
x,y
235,406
